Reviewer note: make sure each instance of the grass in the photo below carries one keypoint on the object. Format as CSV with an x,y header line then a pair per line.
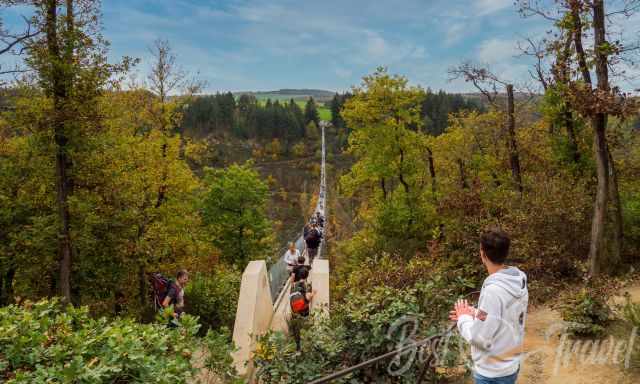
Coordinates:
x,y
323,112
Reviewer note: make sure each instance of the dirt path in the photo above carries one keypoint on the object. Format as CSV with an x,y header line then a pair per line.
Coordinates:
x,y
554,359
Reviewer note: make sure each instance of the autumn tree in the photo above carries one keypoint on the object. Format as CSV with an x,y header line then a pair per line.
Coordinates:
x,y
383,115
596,101
113,152
487,83
70,63
235,210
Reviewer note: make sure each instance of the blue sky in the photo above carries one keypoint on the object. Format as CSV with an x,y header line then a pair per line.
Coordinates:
x,y
330,44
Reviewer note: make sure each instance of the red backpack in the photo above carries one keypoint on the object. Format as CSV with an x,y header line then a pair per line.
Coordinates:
x,y
160,286
298,299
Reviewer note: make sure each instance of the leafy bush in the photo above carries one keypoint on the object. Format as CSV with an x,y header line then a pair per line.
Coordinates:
x,y
587,313
631,313
43,342
357,330
214,298
218,359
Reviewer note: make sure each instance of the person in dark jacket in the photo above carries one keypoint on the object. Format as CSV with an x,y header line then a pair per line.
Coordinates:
x,y
313,239
320,219
297,271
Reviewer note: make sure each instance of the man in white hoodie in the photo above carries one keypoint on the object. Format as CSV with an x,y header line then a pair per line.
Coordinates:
x,y
495,329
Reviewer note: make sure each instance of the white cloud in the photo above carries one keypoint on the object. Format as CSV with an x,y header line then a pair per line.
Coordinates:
x,y
418,53
343,73
455,32
486,7
496,50
376,45
278,42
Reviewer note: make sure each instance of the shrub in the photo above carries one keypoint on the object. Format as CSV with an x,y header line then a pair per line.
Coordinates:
x,y
357,330
631,313
43,342
587,313
299,150
218,359
214,298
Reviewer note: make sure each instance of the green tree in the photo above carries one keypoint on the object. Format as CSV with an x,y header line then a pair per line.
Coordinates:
x,y
235,209
69,60
312,134
390,162
311,112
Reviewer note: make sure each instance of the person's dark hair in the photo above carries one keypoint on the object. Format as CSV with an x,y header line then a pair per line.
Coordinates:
x,y
182,273
304,273
301,259
495,244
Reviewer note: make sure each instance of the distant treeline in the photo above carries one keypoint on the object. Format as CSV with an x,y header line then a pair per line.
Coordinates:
x,y
248,118
436,108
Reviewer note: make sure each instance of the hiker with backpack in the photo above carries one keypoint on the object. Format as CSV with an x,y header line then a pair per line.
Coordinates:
x,y
296,272
308,227
299,300
313,239
175,293
495,329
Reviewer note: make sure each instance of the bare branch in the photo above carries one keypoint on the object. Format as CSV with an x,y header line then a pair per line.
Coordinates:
x,y
166,76
528,8
536,49
11,40
481,78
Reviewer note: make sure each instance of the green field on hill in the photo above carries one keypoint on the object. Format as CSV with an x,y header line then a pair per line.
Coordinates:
x,y
323,111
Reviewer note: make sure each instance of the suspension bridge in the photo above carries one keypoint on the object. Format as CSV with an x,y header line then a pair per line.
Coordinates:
x,y
263,303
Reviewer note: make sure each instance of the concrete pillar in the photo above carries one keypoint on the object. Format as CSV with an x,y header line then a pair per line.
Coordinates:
x,y
320,283
253,315
282,310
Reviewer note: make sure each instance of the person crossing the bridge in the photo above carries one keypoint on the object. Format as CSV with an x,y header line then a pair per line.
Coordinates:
x,y
495,329
313,239
297,271
291,256
300,300
320,219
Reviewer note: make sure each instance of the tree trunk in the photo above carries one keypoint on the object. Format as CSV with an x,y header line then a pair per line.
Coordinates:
x,y
577,41
142,284
514,157
432,170
596,249
567,117
59,94
463,175
618,230
384,188
599,122
405,185
6,286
